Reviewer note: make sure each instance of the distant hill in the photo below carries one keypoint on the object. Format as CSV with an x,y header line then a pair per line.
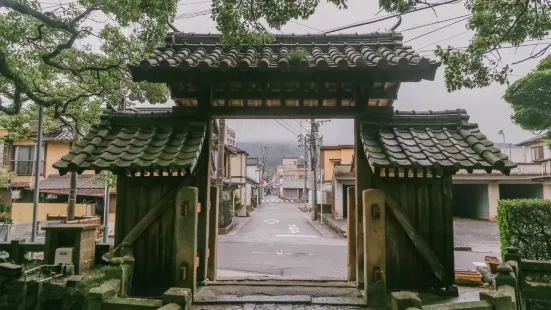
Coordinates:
x,y
275,151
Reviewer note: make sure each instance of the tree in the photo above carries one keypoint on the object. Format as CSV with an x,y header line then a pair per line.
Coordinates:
x,y
530,98
496,24
71,57
6,176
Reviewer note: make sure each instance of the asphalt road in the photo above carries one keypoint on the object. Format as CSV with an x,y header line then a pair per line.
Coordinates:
x,y
279,241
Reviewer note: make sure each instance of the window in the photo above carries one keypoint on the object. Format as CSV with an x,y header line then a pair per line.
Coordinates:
x,y
289,177
23,162
537,153
301,177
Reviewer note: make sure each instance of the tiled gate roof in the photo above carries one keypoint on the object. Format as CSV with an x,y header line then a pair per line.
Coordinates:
x,y
136,141
205,52
431,139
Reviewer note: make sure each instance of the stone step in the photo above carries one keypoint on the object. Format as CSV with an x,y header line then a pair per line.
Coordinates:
x,y
282,300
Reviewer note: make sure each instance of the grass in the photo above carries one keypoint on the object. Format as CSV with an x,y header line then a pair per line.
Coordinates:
x,y
98,276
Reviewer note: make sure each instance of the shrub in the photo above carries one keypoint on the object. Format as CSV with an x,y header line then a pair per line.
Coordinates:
x,y
526,224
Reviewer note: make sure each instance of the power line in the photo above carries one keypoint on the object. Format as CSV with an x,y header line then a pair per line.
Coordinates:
x,y
438,22
303,25
284,122
194,2
194,14
375,20
435,30
454,36
498,48
290,130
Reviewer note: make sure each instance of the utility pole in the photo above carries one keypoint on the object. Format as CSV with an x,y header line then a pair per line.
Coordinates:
x,y
220,171
262,164
302,140
314,162
37,169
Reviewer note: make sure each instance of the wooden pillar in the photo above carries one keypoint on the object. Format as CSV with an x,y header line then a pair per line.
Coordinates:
x,y
203,172
362,180
375,247
447,201
351,232
213,233
185,233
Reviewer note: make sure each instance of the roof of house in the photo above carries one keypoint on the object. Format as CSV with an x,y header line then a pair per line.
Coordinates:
x,y
343,172
59,132
236,150
533,140
251,180
432,139
252,161
133,140
337,147
60,185
198,53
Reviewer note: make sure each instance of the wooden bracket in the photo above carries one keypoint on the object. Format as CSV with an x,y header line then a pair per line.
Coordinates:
x,y
183,271
199,207
375,211
185,208
197,260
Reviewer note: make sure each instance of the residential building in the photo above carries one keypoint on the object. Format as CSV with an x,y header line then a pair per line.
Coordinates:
x,y
19,156
252,188
230,138
333,155
343,178
476,195
293,178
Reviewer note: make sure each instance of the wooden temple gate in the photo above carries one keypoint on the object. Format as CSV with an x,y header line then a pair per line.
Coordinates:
x,y
400,216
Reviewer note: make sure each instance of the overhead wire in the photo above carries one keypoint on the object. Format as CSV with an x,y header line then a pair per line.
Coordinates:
x,y
378,19
434,23
435,30
288,129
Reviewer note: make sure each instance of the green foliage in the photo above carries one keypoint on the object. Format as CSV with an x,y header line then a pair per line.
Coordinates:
x,y
495,24
6,176
98,276
526,224
530,98
105,177
297,54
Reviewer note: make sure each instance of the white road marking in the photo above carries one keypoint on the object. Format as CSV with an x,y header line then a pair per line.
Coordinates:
x,y
271,221
305,236
293,229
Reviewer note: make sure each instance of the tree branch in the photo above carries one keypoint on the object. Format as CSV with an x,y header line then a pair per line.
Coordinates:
x,y
536,55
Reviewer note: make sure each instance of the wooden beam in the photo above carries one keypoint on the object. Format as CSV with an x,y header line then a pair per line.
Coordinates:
x,y
362,183
351,232
185,232
213,234
202,173
284,112
374,247
420,244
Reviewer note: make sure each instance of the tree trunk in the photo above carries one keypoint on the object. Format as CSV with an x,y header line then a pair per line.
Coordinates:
x,y
71,206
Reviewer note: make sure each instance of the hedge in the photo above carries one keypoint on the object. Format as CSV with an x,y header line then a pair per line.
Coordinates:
x,y
526,224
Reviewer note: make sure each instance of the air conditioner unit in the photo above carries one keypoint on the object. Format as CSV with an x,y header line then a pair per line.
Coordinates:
x,y
63,256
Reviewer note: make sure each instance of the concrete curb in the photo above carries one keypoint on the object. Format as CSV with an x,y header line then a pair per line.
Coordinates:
x,y
225,230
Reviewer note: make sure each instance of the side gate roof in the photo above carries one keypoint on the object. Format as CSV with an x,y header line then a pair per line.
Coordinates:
x,y
434,140
137,141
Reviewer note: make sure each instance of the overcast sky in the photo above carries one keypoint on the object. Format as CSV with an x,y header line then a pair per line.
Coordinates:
x,y
485,106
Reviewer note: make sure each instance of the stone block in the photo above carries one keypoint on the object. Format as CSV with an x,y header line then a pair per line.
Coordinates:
x,y
10,270
171,307
404,300
499,300
73,280
131,304
180,296
106,290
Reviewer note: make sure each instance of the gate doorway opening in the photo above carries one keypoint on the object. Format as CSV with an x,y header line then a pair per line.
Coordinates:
x,y
267,230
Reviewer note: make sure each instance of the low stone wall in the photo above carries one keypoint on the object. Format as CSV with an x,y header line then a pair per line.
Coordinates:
x,y
21,295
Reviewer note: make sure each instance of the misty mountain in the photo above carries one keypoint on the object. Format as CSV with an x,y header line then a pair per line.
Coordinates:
x,y
275,151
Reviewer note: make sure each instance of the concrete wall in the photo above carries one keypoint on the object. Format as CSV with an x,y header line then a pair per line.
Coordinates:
x,y
23,212
54,152
471,200
338,198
